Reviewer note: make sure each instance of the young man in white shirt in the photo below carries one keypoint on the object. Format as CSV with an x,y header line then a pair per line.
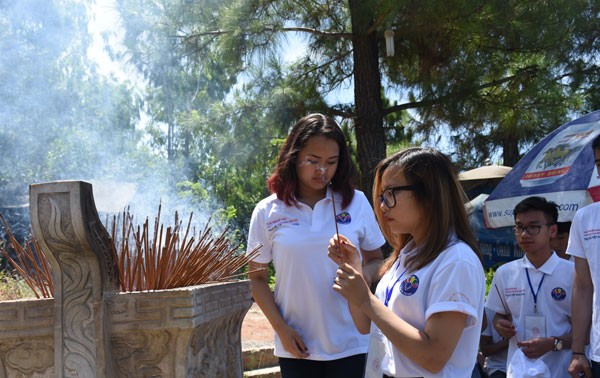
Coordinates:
x,y
532,296
584,244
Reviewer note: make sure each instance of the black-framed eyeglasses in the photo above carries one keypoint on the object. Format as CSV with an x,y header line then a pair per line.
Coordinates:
x,y
531,230
389,195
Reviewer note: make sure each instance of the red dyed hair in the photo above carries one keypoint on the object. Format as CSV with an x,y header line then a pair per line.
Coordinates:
x,y
284,179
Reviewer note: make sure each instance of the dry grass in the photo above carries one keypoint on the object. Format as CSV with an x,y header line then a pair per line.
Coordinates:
x,y
14,287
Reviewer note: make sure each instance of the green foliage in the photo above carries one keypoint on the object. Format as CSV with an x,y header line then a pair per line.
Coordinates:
x,y
489,275
162,44
189,75
220,98
501,75
271,276
497,75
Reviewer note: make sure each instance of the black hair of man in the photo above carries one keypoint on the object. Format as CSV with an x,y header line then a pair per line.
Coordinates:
x,y
563,227
549,208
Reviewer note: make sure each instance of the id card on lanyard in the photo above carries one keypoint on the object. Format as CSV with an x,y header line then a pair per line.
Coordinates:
x,y
378,344
376,354
535,322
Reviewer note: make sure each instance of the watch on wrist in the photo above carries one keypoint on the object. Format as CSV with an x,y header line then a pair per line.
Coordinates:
x,y
558,344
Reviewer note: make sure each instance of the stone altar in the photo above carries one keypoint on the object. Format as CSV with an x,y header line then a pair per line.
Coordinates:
x,y
89,329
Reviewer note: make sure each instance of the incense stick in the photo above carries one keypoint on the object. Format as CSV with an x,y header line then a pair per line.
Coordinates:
x,y
505,307
502,301
337,232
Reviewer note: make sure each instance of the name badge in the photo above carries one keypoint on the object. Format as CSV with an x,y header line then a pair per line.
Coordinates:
x,y
535,326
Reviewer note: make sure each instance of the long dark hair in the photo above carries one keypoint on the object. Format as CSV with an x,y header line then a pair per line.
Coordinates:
x,y
284,179
441,197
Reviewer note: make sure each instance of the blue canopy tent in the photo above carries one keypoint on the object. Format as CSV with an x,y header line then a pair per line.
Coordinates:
x,y
560,168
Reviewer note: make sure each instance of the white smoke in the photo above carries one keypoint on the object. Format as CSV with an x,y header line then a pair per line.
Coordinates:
x,y
69,112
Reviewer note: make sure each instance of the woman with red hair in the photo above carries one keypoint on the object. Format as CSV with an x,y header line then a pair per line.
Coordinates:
x,y
315,334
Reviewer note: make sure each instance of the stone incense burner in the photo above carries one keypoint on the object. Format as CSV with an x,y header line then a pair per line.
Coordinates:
x,y
89,329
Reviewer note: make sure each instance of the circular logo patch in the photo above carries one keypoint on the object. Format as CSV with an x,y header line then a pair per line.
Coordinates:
x,y
559,294
343,218
410,285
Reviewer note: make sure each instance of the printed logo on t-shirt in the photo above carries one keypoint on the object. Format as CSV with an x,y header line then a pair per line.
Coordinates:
x,y
559,294
343,218
410,285
591,234
459,297
274,224
514,292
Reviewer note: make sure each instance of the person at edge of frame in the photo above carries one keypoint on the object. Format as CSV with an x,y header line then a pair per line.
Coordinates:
x,y
584,244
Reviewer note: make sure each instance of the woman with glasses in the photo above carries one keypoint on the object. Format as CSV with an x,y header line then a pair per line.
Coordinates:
x,y
425,317
314,332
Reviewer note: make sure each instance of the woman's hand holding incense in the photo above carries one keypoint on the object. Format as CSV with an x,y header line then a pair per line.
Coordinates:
x,y
342,251
350,283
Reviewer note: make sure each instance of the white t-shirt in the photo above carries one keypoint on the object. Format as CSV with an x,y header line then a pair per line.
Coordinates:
x,y
296,240
553,302
584,242
453,282
495,362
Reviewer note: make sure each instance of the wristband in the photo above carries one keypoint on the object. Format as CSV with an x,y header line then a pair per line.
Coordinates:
x,y
578,353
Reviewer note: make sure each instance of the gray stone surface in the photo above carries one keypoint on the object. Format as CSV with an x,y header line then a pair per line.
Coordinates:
x,y
84,271
90,330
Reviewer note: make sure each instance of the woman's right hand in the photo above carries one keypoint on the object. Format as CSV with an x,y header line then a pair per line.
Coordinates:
x,y
292,342
350,283
342,251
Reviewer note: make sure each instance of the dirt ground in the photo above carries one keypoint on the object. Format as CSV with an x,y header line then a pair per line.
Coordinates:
x,y
256,329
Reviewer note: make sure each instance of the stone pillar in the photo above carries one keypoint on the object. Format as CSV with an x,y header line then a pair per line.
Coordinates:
x,y
66,225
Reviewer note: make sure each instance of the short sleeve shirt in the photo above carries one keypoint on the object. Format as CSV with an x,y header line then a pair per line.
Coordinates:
x,y
295,239
584,242
553,302
453,282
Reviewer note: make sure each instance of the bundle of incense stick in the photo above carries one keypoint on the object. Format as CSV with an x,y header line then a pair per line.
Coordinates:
x,y
170,258
337,232
163,259
31,264
502,301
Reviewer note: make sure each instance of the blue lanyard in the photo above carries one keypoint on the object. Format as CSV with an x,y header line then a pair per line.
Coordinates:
x,y
390,289
535,294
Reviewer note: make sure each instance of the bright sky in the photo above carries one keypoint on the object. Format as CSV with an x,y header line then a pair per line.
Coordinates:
x,y
105,19
106,30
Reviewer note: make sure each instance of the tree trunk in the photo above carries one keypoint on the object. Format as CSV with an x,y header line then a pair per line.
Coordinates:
x,y
368,124
510,151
